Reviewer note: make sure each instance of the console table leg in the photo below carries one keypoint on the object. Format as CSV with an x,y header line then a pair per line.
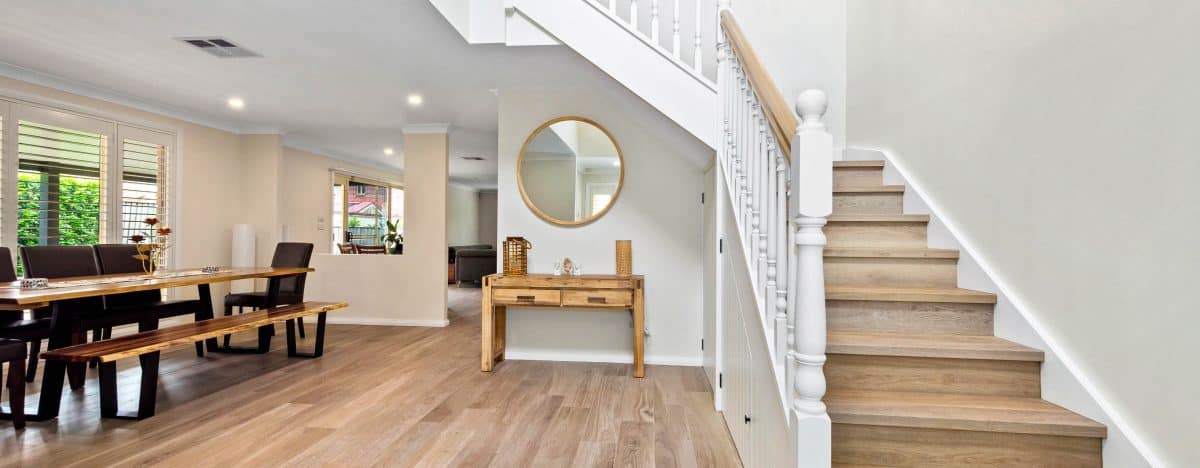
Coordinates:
x,y
487,313
500,336
639,333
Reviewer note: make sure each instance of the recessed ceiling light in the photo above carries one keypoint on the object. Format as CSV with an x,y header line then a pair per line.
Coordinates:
x,y
415,99
236,103
388,151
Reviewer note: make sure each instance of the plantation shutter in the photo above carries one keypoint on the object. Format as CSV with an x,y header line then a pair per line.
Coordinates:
x,y
60,178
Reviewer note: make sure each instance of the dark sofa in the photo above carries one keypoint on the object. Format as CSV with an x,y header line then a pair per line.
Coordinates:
x,y
472,262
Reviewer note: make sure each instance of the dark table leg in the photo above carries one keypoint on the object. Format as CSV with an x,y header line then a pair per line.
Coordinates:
x,y
205,313
61,329
264,332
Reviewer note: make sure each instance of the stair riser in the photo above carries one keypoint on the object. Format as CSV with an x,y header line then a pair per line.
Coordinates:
x,y
933,375
859,176
920,447
867,234
910,317
868,203
892,272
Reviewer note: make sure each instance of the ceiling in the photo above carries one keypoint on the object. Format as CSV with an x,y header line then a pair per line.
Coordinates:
x,y
332,78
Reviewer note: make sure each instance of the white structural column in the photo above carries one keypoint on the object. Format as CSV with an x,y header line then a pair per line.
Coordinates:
x,y
812,202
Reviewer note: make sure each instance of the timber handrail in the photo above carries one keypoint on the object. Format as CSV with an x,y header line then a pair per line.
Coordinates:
x,y
783,120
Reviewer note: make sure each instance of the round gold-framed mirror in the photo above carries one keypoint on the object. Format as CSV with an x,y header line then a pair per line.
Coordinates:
x,y
570,171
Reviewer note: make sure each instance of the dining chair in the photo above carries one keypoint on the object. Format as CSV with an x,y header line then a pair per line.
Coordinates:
x,y
14,325
12,352
70,261
346,248
291,288
371,249
119,258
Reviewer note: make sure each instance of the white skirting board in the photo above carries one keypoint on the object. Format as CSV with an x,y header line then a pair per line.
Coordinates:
x,y
614,358
332,319
1063,382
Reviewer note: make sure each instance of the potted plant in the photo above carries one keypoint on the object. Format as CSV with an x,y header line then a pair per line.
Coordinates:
x,y
394,240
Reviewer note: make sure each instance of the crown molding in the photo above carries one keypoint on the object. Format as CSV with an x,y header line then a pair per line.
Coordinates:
x,y
47,80
425,128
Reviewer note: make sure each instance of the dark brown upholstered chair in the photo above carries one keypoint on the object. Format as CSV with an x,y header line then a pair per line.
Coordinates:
x,y
67,261
13,324
370,249
12,352
291,288
118,258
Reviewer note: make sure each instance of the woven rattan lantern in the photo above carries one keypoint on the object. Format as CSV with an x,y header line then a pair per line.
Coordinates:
x,y
516,256
624,257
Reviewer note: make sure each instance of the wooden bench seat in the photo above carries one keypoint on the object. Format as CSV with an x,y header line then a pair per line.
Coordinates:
x,y
147,345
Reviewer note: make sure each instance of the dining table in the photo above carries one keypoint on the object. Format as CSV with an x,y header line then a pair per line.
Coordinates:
x,y
63,320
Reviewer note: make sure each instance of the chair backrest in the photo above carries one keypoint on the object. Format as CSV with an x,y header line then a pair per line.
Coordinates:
x,y
118,258
8,273
371,249
63,261
346,248
292,255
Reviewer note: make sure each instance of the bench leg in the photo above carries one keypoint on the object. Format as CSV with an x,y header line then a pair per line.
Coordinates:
x,y
318,345
300,326
148,397
264,342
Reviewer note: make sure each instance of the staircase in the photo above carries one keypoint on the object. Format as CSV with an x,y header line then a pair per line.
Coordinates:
x,y
915,376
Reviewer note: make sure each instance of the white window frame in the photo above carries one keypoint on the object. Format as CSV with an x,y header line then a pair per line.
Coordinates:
x,y
13,109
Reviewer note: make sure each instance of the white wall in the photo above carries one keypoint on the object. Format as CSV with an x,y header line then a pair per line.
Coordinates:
x,y
659,209
803,45
1059,138
462,215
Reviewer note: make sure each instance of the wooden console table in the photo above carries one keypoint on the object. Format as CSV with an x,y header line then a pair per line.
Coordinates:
x,y
585,291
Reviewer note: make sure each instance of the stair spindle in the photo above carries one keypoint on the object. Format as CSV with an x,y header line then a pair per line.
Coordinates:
x,y
633,15
675,31
697,54
654,22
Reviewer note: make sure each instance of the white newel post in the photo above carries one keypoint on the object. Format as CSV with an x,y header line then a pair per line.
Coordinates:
x,y
812,202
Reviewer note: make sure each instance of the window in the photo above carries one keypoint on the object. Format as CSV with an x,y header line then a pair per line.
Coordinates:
x,y
63,181
362,208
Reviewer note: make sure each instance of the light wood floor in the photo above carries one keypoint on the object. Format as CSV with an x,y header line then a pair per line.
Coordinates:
x,y
388,396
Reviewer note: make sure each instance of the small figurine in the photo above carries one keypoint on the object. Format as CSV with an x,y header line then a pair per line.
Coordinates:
x,y
568,267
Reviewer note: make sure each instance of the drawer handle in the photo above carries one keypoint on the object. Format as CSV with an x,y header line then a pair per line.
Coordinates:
x,y
596,300
525,298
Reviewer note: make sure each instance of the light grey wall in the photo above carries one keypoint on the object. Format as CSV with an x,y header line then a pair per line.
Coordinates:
x,y
487,218
1060,138
462,216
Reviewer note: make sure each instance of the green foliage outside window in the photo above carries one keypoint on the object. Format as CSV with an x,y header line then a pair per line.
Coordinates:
x,y
78,210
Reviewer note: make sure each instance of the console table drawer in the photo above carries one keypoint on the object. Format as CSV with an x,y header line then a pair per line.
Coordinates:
x,y
597,298
541,297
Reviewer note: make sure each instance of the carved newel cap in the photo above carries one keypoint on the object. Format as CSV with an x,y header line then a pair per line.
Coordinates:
x,y
811,105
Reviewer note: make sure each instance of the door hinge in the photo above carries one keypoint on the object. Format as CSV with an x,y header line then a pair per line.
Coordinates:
x,y
747,418
720,380
701,198
720,245
701,344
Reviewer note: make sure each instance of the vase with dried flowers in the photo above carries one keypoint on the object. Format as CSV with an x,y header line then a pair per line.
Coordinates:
x,y
152,245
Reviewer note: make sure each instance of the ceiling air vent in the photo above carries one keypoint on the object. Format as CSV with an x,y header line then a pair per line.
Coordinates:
x,y
218,46
472,158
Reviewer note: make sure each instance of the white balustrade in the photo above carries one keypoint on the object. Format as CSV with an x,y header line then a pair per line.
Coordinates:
x,y
675,51
781,202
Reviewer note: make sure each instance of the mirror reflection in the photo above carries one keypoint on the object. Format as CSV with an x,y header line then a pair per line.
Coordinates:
x,y
570,171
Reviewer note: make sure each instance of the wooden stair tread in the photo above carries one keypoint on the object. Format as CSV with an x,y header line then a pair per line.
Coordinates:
x,y
879,218
959,412
889,252
930,346
858,164
890,294
163,338
869,189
